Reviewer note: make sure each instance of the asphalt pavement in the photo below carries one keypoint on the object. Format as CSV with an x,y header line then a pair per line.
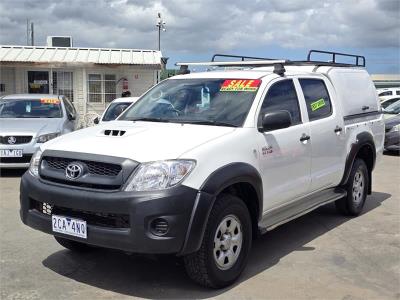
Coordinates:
x,y
321,255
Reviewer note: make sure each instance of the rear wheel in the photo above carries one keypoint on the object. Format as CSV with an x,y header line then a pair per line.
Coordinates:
x,y
225,247
357,189
73,245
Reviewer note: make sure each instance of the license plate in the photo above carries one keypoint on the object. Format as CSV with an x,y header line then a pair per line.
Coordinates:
x,y
69,226
11,153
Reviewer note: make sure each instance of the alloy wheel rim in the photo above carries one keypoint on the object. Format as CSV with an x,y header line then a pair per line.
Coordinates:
x,y
228,242
358,187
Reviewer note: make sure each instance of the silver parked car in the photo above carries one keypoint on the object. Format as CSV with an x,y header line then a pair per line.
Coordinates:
x,y
29,120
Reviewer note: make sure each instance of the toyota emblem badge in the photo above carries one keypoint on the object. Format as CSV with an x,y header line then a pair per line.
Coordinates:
x,y
73,171
11,140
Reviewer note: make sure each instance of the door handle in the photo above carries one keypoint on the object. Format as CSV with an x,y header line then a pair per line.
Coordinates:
x,y
338,129
365,107
304,137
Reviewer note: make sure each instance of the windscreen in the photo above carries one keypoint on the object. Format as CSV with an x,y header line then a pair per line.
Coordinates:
x,y
30,108
114,110
221,102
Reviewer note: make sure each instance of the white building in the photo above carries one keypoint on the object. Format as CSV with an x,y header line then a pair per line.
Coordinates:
x,y
90,77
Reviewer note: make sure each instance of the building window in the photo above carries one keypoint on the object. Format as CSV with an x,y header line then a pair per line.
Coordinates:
x,y
63,84
102,88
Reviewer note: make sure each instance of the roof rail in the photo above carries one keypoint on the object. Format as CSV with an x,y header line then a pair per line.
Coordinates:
x,y
335,54
238,56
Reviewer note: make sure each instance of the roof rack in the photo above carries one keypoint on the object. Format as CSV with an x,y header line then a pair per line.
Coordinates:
x,y
238,56
277,63
335,54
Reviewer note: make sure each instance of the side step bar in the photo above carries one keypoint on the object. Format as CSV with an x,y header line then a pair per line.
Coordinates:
x,y
281,215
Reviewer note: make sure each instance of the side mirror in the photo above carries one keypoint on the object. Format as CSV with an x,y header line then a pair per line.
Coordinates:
x,y
71,117
96,120
276,120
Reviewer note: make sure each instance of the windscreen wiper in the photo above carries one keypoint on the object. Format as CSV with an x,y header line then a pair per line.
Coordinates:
x,y
148,119
208,122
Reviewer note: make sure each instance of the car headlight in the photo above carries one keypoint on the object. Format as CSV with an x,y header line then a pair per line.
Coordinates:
x,y
35,160
47,137
159,175
395,128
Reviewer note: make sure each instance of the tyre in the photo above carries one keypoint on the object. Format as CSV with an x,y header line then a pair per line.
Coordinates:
x,y
73,245
357,189
226,244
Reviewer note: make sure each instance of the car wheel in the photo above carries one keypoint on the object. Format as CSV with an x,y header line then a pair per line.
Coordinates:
x,y
73,245
225,247
357,189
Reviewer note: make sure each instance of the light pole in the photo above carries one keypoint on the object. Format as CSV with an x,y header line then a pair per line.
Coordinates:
x,y
161,26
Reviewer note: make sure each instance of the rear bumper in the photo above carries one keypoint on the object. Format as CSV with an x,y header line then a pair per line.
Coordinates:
x,y
179,206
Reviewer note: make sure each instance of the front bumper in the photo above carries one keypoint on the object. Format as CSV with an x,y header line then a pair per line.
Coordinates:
x,y
177,206
392,141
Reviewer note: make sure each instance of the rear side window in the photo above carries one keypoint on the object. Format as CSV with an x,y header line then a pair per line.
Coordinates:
x,y
317,98
282,96
387,93
397,92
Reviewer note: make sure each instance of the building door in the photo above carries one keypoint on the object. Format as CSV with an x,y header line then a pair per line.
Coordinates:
x,y
38,82
63,84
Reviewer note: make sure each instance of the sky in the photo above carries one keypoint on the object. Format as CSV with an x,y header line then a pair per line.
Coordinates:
x,y
195,30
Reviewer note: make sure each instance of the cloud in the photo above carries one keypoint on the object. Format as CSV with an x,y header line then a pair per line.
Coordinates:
x,y
208,25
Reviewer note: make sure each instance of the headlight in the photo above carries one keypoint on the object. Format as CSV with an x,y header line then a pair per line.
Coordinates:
x,y
35,160
395,128
159,175
47,137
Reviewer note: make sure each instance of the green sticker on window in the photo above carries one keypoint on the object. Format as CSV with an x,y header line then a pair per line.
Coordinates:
x,y
317,104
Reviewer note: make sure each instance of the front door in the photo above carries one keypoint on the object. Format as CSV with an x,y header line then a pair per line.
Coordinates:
x,y
38,82
284,159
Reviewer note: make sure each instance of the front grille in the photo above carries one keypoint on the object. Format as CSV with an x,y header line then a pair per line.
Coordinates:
x,y
16,160
82,184
94,167
21,139
92,218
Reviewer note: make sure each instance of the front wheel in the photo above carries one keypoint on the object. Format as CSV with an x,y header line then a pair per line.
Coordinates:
x,y
357,189
226,244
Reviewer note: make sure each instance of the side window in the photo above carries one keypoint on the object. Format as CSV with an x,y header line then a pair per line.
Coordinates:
x,y
387,93
317,98
397,92
282,96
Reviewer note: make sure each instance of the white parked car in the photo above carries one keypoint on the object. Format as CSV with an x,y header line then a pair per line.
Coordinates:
x,y
205,162
387,93
389,101
115,108
29,120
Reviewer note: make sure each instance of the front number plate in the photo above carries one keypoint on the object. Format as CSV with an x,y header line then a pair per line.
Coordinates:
x,y
11,153
69,226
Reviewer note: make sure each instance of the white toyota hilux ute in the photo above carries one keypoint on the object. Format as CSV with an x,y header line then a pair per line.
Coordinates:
x,y
205,162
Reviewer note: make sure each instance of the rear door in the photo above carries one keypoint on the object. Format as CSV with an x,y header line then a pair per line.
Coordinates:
x,y
328,148
284,159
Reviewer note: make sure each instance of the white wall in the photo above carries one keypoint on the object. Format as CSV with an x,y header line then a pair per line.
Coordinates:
x,y
7,77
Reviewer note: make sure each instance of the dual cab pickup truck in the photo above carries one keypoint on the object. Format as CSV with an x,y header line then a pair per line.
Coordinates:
x,y
203,163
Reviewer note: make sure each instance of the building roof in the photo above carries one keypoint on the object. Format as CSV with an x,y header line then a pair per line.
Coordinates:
x,y
39,54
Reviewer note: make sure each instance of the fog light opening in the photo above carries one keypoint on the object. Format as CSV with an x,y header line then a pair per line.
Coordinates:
x,y
159,226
